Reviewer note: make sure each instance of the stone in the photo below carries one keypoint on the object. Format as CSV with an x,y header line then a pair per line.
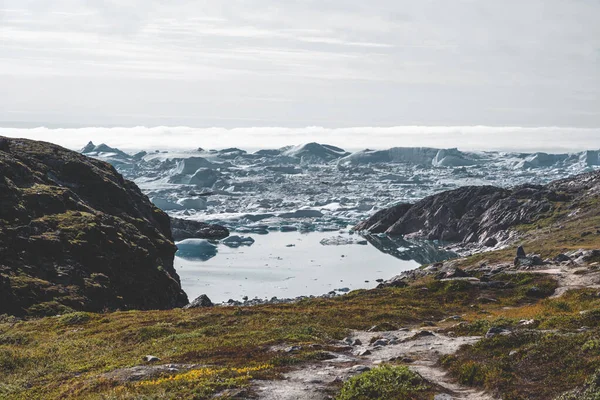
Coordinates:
x,y
200,302
496,331
151,359
562,258
490,242
526,322
396,283
356,342
537,260
380,342
486,300
360,368
521,252
383,327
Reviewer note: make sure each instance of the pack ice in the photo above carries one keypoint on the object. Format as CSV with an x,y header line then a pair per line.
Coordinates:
x,y
317,187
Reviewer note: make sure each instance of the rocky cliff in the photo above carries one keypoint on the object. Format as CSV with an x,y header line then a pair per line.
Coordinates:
x,y
480,214
75,235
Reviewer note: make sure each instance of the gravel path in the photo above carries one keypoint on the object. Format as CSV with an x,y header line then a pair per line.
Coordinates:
x,y
420,350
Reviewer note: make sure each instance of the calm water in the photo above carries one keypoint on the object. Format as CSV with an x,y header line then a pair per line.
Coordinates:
x,y
271,267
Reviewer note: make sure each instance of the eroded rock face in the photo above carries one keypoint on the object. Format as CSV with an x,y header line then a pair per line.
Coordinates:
x,y
75,235
471,214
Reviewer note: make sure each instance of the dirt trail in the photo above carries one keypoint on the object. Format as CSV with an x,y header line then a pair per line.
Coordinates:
x,y
572,276
421,352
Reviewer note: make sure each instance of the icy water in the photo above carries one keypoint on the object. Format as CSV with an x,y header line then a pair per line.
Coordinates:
x,y
287,265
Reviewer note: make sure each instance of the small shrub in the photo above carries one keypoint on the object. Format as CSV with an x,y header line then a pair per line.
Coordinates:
x,y
14,339
386,383
10,361
76,318
591,346
470,373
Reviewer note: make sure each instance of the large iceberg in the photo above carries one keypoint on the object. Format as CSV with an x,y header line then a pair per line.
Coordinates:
x,y
411,155
312,153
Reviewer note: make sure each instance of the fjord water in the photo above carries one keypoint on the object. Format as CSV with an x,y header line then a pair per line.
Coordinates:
x,y
292,264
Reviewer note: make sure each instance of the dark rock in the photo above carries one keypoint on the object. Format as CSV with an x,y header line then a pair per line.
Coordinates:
x,y
490,242
380,342
397,283
201,301
562,258
383,327
293,349
456,273
537,260
466,214
79,235
496,331
382,220
419,335
151,359
521,252
535,291
186,229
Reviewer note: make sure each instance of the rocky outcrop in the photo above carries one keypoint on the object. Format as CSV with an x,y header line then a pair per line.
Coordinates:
x,y
476,214
75,235
382,220
187,229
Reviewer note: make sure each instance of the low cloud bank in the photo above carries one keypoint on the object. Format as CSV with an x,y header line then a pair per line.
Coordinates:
x,y
549,139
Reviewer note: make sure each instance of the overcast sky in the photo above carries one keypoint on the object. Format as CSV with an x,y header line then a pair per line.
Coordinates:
x,y
296,63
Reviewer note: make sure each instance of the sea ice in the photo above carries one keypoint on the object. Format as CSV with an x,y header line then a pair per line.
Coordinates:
x,y
237,241
342,241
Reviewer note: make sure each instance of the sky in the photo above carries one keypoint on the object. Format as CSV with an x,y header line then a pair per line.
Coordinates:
x,y
335,64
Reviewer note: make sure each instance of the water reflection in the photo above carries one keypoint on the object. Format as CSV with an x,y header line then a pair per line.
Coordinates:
x,y
421,251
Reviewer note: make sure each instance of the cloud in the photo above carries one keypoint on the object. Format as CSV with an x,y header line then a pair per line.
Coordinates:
x,y
402,54
550,139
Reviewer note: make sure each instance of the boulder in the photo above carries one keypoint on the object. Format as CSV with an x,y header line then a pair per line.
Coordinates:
x,y
200,302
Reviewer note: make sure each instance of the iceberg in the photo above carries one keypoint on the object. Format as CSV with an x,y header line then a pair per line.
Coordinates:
x,y
196,249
